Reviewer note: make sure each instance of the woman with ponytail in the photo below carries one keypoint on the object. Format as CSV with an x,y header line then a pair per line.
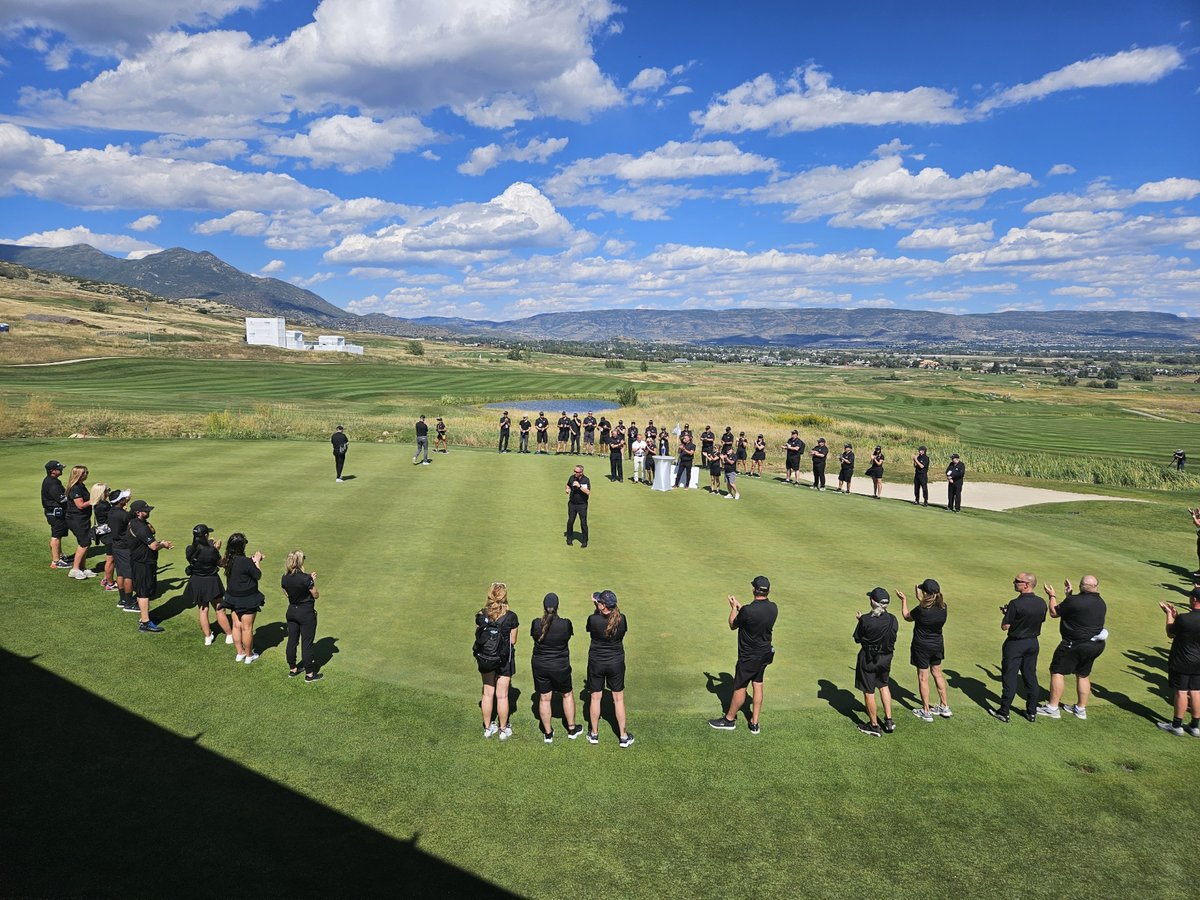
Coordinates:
x,y
495,640
242,596
928,649
552,668
204,584
606,664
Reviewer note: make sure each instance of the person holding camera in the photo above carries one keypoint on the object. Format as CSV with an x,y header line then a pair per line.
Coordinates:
x,y
340,443
579,490
927,650
1083,634
606,665
204,582
921,477
495,653
956,473
551,665
1023,618
143,555
754,624
242,596
875,634
1183,666
300,587
54,505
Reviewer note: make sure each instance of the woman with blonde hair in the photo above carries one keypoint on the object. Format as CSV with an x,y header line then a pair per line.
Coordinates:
x,y
495,640
101,532
928,650
79,520
302,594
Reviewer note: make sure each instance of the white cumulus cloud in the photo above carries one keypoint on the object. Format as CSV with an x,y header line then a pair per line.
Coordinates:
x,y
1101,195
145,223
482,159
275,265
354,143
649,80
80,234
948,237
1061,169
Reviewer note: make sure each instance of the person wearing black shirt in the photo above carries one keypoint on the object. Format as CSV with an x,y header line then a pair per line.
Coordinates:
x,y
754,624
875,634
707,439
551,665
758,457
846,470
730,463
687,453
589,434
422,431
956,472
727,439
523,428
54,501
505,427
79,520
875,472
242,595
340,442
819,454
742,455
564,432
542,425
1081,628
607,627
576,433
631,435
204,582
664,444
301,590
118,524
497,678
921,477
651,436
713,459
793,450
440,443
616,443
1183,665
579,489
102,506
605,431
143,554
928,650
1023,618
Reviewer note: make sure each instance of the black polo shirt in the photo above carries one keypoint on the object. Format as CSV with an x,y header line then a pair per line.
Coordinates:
x,y
53,494
541,423
78,492
552,652
578,497
604,648
927,624
589,425
204,559
755,622
339,441
1081,616
1024,616
921,465
422,429
118,523
524,425
298,587
1185,644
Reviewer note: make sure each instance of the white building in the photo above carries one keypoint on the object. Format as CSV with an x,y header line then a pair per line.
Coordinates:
x,y
273,332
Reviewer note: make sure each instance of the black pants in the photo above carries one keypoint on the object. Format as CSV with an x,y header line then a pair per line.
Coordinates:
x,y
523,442
819,476
1019,656
616,466
302,627
954,495
577,510
921,486
683,474
575,444
503,446
339,460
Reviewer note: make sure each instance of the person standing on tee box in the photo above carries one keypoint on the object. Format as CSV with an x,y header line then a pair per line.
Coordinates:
x,y
579,489
921,477
1083,634
340,443
928,648
422,441
956,473
1183,666
1023,618
606,664
754,624
551,665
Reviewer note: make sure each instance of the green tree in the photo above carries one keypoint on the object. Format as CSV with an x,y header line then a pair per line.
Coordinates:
x,y
627,396
416,348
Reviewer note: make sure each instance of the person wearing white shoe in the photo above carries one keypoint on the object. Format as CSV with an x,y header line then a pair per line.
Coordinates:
x,y
494,651
204,583
242,595
1081,628
79,520
143,554
1183,665
729,462
928,648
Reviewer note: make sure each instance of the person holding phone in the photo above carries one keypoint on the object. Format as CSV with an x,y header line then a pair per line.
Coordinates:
x,y
928,649
606,665
875,472
754,623
579,490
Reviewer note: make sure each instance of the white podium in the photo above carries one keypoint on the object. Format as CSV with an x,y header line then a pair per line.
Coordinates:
x,y
664,473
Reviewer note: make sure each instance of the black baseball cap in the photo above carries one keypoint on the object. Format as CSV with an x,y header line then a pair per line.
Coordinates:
x,y
879,595
201,530
605,598
550,601
138,506
922,448
761,584
930,586
955,456
54,464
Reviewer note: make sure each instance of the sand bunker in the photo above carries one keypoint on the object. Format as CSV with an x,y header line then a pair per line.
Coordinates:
x,y
976,494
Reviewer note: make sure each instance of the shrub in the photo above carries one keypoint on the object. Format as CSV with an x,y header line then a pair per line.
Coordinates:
x,y
1111,383
100,306
614,364
644,367
416,348
627,396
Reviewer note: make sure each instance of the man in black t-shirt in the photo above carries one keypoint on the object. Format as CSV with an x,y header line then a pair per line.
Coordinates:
x,y
579,489
505,428
956,472
589,434
631,435
616,444
523,428
754,624
707,438
542,424
340,444
687,454
576,431
1183,666
54,499
605,432
921,477
1023,618
819,454
1081,628
422,441
564,432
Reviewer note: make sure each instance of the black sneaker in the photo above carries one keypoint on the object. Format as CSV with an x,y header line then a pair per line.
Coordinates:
x,y
548,736
755,728
1029,716
870,730
626,741
574,731
130,606
292,673
593,737
998,716
888,726
315,676
722,724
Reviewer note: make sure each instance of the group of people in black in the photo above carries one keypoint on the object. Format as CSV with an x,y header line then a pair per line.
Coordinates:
x,y
105,516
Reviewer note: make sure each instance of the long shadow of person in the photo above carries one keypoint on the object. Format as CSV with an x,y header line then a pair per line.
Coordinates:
x,y
904,696
1183,572
974,689
722,686
172,606
608,712
1125,702
844,701
323,650
268,636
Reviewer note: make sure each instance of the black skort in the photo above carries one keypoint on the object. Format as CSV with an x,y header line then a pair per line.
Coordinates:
x,y
872,674
82,529
1075,658
244,605
607,673
205,589
547,681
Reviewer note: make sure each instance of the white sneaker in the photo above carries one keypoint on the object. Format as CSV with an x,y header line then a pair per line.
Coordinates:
x,y
505,732
89,573
1050,712
943,711
240,657
229,638
209,639
77,574
491,730
251,658
338,480
1079,712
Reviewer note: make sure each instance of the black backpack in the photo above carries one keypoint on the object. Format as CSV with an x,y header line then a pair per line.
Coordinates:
x,y
490,650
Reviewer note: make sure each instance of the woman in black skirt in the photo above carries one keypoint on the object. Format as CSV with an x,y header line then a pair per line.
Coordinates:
x,y
242,596
713,458
497,621
302,594
102,504
552,668
204,582
742,455
875,471
758,456
876,636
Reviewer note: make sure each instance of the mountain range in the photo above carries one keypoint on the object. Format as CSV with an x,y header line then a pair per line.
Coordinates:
x,y
179,273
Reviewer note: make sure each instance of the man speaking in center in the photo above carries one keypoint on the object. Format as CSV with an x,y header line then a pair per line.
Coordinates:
x,y
579,489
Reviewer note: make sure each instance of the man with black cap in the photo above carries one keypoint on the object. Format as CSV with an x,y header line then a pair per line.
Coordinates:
x,y
794,449
505,428
579,489
754,624
589,434
819,454
54,505
119,517
564,433
1183,666
955,473
875,634
1023,618
422,431
1081,627
576,433
542,424
523,433
921,477
144,547
340,443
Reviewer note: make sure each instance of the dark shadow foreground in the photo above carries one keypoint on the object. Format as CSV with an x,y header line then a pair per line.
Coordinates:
x,y
102,803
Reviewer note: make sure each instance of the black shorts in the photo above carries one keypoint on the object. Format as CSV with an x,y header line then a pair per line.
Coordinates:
x,y
607,673
792,462
58,526
845,475
1182,681
542,437
751,671
925,655
82,529
871,675
121,562
563,436
547,681
1075,658
145,579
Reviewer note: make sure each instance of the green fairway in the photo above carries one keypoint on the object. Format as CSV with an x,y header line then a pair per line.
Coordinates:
x,y
392,738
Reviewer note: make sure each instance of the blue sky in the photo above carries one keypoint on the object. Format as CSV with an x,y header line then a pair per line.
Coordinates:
x,y
500,158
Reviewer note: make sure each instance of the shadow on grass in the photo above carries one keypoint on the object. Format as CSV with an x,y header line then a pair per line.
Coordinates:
x,y
72,812
904,696
722,686
1183,572
172,606
844,701
608,712
975,690
1151,667
323,650
268,636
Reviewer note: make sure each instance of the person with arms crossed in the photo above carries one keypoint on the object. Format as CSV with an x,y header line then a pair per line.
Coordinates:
x,y
875,634
422,431
754,624
1183,666
928,649
579,490
921,477
819,454
793,450
845,468
1083,636
956,473
523,433
340,442
551,664
54,505
875,472
607,627
589,434
1023,618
